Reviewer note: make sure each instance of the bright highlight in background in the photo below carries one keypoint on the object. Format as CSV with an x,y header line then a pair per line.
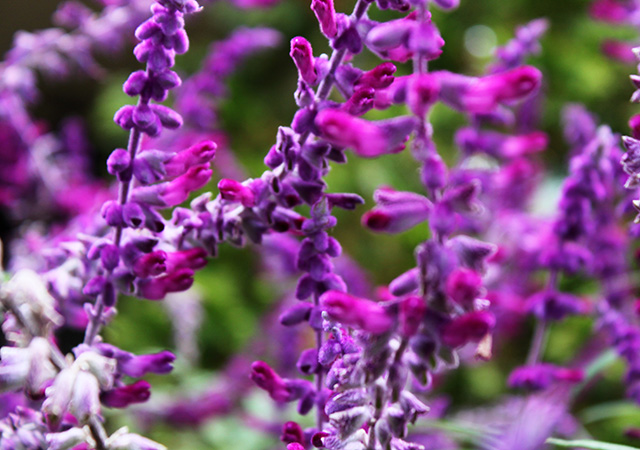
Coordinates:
x,y
480,41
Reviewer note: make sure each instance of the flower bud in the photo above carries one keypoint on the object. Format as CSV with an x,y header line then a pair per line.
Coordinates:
x,y
326,15
302,55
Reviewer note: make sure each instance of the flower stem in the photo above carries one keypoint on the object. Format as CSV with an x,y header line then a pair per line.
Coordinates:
x,y
126,179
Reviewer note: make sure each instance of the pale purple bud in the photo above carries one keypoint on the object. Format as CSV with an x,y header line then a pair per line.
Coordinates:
x,y
143,116
329,351
124,117
112,213
412,406
136,83
391,34
133,215
28,367
147,29
308,362
296,314
137,366
94,286
180,42
168,117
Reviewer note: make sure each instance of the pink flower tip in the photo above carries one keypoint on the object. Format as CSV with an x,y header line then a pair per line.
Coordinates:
x,y
356,312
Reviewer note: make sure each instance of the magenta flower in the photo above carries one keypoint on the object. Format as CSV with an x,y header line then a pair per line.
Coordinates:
x,y
357,312
470,327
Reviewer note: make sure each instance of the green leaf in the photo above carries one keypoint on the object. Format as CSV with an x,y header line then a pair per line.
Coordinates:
x,y
588,444
610,410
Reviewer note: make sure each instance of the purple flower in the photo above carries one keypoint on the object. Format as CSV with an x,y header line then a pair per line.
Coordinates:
x,y
123,396
470,327
326,15
464,286
302,55
540,376
396,211
279,389
357,312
